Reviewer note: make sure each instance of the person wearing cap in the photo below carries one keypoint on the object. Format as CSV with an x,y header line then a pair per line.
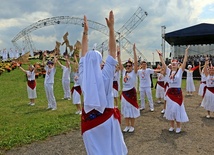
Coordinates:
x,y
208,94
100,120
49,82
66,72
31,83
190,86
175,111
129,105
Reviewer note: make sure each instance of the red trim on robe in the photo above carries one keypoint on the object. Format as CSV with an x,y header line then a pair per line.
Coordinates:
x,y
115,85
77,88
166,85
161,83
95,118
31,84
209,88
204,82
131,97
175,94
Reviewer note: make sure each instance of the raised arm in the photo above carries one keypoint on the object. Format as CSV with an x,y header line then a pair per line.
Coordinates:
x,y
135,59
44,58
119,58
21,68
206,65
85,38
183,66
112,41
161,59
199,68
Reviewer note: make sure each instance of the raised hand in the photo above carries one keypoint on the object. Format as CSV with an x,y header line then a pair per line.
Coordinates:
x,y
110,20
159,52
85,24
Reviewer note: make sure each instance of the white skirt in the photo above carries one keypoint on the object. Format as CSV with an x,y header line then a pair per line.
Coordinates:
x,y
208,101
128,110
115,93
105,139
175,112
201,89
159,91
76,97
190,86
31,93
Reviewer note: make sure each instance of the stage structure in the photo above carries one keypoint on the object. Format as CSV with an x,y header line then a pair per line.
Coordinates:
x,y
129,26
124,31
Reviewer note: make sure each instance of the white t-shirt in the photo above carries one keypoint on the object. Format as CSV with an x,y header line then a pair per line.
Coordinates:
x,y
210,81
116,76
30,75
50,72
129,80
177,80
66,73
76,79
144,76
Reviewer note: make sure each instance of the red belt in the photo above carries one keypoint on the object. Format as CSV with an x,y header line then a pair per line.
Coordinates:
x,y
175,94
31,84
115,85
95,118
131,97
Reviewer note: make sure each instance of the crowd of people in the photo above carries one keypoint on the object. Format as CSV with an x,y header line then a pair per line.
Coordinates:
x,y
99,83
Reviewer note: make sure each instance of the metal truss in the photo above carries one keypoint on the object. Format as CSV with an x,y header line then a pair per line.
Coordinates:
x,y
126,29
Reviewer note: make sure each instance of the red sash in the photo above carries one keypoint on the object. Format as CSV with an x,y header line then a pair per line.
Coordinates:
x,y
175,94
131,97
31,84
95,118
209,88
204,82
161,83
77,88
115,85
166,85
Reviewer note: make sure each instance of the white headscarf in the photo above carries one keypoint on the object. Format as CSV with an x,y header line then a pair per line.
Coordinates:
x,y
93,85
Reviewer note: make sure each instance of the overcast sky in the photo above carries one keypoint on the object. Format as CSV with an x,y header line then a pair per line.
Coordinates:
x,y
15,15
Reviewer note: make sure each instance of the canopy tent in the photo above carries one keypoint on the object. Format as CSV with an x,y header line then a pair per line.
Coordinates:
x,y
194,35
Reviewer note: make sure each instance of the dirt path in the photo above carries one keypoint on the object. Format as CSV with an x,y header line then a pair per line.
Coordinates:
x,y
151,136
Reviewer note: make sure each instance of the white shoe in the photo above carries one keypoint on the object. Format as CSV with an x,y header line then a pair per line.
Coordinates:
x,y
159,101
77,112
126,129
32,104
171,129
152,110
69,98
131,129
178,130
48,108
53,109
80,113
163,111
141,108
208,116
29,103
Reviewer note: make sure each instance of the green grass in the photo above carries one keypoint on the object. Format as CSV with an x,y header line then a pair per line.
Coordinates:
x,y
20,123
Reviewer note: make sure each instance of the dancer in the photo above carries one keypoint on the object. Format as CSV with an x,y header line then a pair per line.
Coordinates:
x,y
49,82
175,110
129,105
203,81
190,87
160,85
66,78
76,90
31,83
116,79
208,96
100,120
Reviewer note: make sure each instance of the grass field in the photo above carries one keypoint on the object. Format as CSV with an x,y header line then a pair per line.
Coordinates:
x,y
20,123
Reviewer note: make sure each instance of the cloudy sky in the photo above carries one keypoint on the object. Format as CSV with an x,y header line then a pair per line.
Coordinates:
x,y
15,15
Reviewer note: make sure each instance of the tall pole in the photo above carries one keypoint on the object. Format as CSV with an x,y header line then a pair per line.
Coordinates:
x,y
163,28
153,59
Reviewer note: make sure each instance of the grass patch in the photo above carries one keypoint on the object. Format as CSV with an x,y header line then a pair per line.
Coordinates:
x,y
21,123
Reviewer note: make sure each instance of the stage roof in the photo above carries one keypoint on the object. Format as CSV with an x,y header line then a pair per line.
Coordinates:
x,y
199,34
